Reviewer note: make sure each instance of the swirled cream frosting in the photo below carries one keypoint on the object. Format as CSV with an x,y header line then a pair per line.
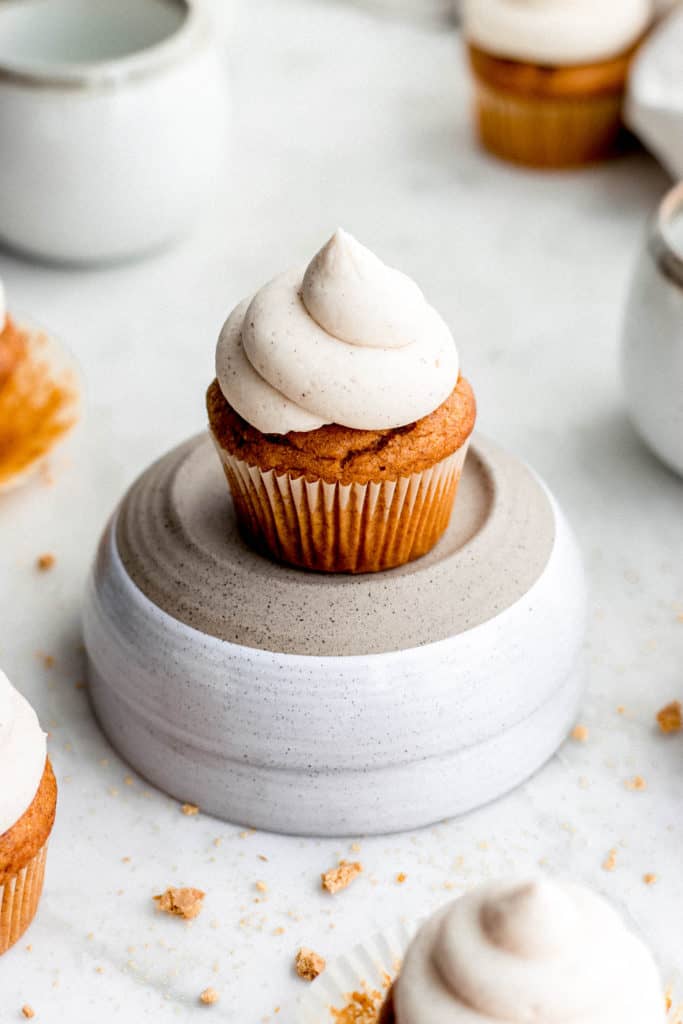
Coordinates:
x,y
560,32
346,340
23,751
533,952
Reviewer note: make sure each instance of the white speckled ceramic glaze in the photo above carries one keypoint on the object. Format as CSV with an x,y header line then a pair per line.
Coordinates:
x,y
303,703
113,120
652,345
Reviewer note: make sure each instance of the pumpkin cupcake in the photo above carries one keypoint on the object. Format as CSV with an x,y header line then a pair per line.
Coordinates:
x,y
550,75
537,950
28,801
340,415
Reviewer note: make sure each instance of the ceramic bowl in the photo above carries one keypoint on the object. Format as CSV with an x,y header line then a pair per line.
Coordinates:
x,y
113,118
652,342
335,705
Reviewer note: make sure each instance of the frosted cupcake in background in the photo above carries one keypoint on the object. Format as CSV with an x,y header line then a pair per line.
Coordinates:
x,y
538,950
340,415
550,75
28,801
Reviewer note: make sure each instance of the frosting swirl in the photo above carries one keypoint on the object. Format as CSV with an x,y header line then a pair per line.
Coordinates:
x,y
535,952
561,32
346,340
23,751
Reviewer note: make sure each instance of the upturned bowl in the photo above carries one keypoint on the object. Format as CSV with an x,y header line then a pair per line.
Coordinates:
x,y
335,705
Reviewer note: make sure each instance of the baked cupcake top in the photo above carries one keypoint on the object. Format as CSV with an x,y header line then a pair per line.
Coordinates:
x,y
23,750
556,32
538,950
346,340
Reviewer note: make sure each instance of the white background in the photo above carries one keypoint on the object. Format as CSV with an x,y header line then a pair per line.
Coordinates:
x,y
342,117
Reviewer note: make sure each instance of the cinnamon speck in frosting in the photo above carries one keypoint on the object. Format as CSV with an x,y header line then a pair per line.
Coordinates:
x,y
309,965
341,877
670,718
186,903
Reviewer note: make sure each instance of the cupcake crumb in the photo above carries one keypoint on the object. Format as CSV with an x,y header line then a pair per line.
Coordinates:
x,y
261,886
637,784
400,878
185,903
45,562
28,1011
610,862
209,997
649,878
670,718
580,734
341,877
189,810
309,965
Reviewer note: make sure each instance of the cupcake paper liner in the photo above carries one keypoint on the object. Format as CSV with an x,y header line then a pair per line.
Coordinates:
x,y
370,967
545,132
19,899
344,527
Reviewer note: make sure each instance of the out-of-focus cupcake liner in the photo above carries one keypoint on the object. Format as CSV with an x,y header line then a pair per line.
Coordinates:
x,y
370,968
344,527
547,132
41,408
19,899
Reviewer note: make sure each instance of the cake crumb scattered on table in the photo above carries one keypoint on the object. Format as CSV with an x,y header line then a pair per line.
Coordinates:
x,y
340,877
610,862
45,562
189,810
670,718
28,1011
261,886
400,878
649,878
309,965
580,734
363,1007
186,903
209,997
637,784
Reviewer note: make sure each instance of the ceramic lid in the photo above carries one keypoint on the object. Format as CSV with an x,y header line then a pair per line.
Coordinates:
x,y
178,540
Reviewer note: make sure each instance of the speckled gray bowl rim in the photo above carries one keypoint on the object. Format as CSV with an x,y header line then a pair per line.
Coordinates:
x,y
177,537
192,33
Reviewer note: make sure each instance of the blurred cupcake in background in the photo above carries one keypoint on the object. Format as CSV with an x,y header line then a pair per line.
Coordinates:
x,y
28,802
550,75
340,415
40,398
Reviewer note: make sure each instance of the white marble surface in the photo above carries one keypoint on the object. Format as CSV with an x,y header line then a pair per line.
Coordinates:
x,y
344,118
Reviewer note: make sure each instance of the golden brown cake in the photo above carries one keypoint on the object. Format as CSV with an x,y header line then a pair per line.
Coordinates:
x,y
23,849
544,116
340,455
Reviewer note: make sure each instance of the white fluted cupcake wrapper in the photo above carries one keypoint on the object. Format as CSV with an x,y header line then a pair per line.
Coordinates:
x,y
19,899
370,967
354,527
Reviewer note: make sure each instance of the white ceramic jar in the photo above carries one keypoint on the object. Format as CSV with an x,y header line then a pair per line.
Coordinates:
x,y
652,348
113,124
